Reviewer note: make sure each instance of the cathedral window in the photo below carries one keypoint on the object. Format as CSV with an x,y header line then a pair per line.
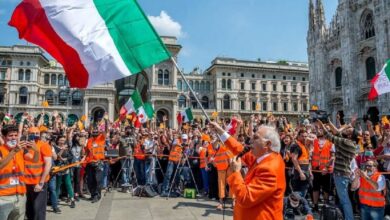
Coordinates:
x,y
368,28
338,77
370,68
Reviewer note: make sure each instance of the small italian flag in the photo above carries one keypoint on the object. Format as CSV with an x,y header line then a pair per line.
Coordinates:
x,y
145,112
186,115
96,41
133,104
381,82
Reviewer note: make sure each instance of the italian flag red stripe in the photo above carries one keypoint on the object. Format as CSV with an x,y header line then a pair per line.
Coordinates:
x,y
30,20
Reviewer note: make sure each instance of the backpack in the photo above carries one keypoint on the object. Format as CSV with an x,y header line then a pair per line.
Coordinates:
x,y
331,212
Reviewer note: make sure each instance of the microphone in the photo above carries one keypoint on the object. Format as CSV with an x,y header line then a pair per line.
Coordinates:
x,y
243,152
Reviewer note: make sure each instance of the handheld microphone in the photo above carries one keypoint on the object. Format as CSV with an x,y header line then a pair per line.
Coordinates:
x,y
243,152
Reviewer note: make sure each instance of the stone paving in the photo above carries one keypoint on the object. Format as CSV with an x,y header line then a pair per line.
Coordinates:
x,y
116,205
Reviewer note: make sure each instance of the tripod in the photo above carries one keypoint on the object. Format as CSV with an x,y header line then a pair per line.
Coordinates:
x,y
176,172
130,160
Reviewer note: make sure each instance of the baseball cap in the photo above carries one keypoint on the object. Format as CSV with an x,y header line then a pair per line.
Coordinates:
x,y
184,136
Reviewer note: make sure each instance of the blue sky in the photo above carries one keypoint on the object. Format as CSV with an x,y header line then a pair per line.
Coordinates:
x,y
242,29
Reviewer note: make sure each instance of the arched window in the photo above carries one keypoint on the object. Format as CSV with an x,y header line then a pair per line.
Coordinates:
x,y
53,79
338,77
160,77
205,102
185,87
46,79
370,68
61,80
62,98
194,103
27,77
66,81
207,86
23,95
202,86
223,83
229,84
226,101
21,74
49,97
197,85
76,98
192,84
367,25
182,101
179,85
166,77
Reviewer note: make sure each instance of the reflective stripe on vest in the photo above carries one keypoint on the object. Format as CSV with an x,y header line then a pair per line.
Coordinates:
x,y
368,195
221,159
12,174
320,159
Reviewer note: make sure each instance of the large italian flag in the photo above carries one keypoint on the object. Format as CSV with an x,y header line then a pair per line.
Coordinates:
x,y
380,84
96,41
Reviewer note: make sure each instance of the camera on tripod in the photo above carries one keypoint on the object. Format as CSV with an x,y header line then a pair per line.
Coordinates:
x,y
321,115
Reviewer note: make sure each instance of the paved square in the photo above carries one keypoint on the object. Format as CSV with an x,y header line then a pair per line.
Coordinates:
x,y
116,205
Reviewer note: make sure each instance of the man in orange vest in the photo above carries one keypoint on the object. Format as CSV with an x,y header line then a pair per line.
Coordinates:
x,y
203,166
175,157
372,191
221,160
36,177
322,160
300,156
12,167
260,195
94,157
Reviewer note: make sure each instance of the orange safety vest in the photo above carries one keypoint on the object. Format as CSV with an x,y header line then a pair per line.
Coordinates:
x,y
33,171
12,175
321,157
221,159
202,157
305,156
175,154
138,152
368,195
95,149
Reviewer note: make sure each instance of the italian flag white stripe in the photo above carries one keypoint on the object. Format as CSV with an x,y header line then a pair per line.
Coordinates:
x,y
90,38
380,83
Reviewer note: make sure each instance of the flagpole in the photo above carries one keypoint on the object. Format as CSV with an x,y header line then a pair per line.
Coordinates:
x,y
192,91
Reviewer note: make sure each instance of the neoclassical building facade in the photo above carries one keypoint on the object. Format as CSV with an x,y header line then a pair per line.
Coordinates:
x,y
346,54
229,86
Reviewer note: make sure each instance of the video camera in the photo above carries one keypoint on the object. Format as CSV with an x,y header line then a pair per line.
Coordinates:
x,y
319,115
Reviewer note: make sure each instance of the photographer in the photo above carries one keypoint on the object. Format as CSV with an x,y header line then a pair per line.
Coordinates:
x,y
150,146
345,149
126,145
13,155
174,158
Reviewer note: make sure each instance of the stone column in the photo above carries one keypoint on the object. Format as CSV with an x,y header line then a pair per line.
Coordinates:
x,y
173,118
86,111
111,109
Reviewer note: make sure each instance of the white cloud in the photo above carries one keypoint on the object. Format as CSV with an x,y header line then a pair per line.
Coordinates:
x,y
165,26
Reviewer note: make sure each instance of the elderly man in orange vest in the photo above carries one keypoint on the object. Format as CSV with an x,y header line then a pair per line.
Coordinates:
x,y
260,195
372,191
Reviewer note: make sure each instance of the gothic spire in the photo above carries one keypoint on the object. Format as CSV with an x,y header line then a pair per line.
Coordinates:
x,y
320,13
312,16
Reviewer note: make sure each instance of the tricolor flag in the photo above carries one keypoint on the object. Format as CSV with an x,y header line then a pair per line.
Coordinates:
x,y
186,115
232,127
133,104
145,112
96,41
380,84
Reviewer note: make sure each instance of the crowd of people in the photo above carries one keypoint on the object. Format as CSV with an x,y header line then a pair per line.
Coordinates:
x,y
321,163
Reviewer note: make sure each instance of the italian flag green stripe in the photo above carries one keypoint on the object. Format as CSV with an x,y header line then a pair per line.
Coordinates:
x,y
134,37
